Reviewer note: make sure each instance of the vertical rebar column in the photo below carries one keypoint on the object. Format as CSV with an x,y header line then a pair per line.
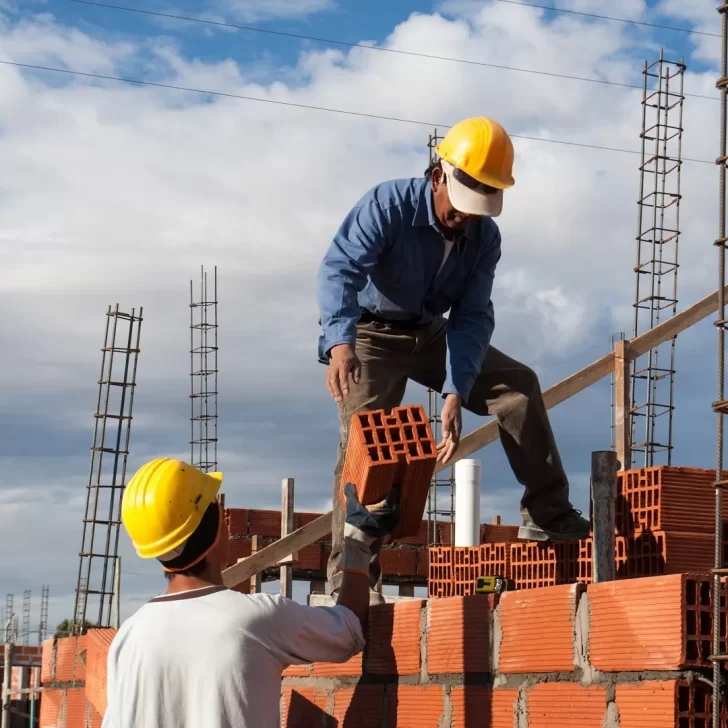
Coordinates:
x,y
107,473
440,506
658,234
203,375
26,617
720,406
8,614
43,626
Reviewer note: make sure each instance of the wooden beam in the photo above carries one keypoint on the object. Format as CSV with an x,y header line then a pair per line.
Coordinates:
x,y
256,580
286,528
622,407
321,527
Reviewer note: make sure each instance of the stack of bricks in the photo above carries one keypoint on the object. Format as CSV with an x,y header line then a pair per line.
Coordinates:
x,y
73,675
621,654
664,520
24,675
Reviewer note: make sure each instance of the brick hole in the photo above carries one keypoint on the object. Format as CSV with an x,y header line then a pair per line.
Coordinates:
x,y
691,592
412,447
394,434
363,419
704,649
422,431
398,447
386,452
368,437
417,415
408,432
392,421
691,622
683,698
705,594
427,448
377,417
381,435
403,414
373,454
706,626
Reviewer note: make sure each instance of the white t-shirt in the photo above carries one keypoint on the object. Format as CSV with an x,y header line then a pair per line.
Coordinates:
x,y
212,658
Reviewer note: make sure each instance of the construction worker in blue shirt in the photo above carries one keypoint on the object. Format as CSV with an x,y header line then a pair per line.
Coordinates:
x,y
408,252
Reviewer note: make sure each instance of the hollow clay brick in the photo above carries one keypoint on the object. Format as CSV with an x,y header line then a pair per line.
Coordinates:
x,y
457,640
566,705
471,706
297,671
48,661
536,564
359,707
393,643
50,707
667,552
303,707
95,719
417,706
585,560
398,561
76,707
500,533
264,523
503,708
69,665
350,668
237,521
537,628
383,449
98,642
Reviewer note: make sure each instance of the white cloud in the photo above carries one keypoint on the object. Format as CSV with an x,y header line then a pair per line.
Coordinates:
x,y
261,10
112,192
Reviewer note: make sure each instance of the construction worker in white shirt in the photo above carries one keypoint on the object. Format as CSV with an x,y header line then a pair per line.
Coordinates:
x,y
202,655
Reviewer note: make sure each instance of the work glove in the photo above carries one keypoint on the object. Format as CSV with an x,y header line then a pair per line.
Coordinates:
x,y
366,528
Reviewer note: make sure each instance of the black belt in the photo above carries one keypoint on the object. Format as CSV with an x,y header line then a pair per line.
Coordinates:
x,y
367,317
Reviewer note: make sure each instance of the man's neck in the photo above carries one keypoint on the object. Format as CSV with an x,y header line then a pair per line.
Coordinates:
x,y
183,583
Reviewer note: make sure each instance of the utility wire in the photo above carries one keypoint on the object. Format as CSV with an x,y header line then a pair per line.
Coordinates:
x,y
609,17
381,49
330,110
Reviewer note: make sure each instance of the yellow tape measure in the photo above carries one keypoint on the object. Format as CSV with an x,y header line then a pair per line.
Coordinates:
x,y
493,584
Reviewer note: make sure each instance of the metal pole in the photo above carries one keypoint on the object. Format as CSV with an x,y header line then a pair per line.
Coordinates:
x,y
7,675
287,526
604,496
117,593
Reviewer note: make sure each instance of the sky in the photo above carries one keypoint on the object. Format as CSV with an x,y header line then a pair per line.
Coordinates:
x,y
117,193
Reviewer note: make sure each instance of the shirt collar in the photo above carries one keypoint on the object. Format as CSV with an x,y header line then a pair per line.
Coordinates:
x,y
425,212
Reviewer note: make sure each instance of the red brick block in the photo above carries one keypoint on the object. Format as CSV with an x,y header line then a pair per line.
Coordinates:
x,y
466,568
97,652
566,705
350,668
264,523
383,449
48,661
423,562
297,671
359,707
238,548
503,708
492,533
399,561
418,539
52,700
76,708
303,707
657,623
537,564
667,552
69,666
457,639
440,581
666,498
393,644
95,719
310,558
417,706
237,521
585,559
471,706
27,656
537,629
495,559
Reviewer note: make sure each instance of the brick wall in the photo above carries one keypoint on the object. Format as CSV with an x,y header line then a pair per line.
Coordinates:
x,y
614,655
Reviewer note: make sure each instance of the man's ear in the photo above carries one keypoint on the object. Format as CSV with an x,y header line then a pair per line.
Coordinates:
x,y
437,178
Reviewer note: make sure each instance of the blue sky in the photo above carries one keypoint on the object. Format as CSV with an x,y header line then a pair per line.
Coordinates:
x,y
116,193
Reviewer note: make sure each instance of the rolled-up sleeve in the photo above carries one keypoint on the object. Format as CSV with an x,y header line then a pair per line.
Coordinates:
x,y
314,634
343,273
471,323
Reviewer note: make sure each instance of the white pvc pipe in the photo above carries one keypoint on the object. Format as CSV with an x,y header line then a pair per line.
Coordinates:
x,y
467,503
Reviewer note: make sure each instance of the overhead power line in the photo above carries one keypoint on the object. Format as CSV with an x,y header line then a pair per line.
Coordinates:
x,y
381,49
658,26
277,102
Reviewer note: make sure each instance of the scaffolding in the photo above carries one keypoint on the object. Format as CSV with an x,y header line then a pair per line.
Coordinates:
x,y
441,496
25,634
720,406
203,375
8,615
658,234
43,625
107,474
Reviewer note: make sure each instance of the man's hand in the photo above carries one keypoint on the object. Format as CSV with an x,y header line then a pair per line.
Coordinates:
x,y
452,425
344,363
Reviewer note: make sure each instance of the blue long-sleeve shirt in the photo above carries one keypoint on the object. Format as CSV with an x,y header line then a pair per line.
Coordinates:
x,y
385,258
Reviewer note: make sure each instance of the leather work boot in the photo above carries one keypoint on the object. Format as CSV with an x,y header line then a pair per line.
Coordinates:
x,y
569,526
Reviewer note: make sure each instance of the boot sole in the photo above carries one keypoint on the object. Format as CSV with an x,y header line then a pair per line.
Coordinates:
x,y
534,533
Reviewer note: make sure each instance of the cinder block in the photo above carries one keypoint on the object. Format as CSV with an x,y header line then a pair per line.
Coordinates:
x,y
48,661
457,640
98,643
655,704
383,449
304,708
359,707
393,643
471,706
503,708
656,623
417,706
537,629
52,700
566,705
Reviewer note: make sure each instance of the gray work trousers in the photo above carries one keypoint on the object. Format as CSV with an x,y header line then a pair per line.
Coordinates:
x,y
505,388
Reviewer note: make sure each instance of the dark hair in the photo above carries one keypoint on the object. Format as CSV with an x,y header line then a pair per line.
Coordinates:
x,y
199,542
437,164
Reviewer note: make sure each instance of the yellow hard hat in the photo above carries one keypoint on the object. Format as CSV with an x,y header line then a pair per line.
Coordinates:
x,y
482,149
164,503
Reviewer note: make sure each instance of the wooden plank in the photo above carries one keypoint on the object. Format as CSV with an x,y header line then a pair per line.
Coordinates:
x,y
271,555
486,434
286,528
256,580
622,407
604,499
